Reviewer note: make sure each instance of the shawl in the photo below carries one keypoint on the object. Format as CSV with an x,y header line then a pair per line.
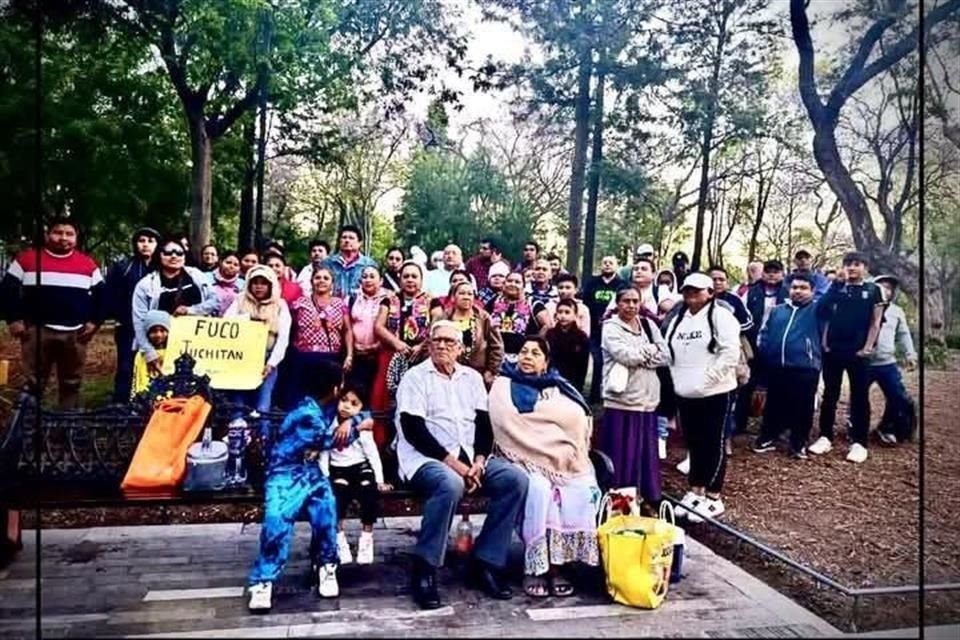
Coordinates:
x,y
539,425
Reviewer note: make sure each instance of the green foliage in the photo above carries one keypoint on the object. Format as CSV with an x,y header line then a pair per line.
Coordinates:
x,y
953,341
452,199
935,354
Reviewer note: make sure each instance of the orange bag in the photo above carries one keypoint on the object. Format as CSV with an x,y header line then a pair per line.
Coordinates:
x,y
160,458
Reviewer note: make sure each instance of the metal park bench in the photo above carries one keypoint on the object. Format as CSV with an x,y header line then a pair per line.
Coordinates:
x,y
77,459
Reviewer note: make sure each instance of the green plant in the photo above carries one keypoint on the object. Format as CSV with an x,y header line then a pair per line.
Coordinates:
x,y
935,354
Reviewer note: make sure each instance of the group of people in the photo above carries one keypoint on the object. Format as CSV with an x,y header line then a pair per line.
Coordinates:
x,y
471,377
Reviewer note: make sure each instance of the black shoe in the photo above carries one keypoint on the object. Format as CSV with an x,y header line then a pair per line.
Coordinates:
x,y
486,578
424,585
763,446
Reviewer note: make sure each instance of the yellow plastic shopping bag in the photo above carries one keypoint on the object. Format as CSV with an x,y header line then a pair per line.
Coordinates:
x,y
637,555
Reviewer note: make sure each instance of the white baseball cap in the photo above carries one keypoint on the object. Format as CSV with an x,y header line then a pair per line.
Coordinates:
x,y
697,281
644,249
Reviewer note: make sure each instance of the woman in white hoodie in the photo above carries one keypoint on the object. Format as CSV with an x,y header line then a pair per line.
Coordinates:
x,y
703,339
261,301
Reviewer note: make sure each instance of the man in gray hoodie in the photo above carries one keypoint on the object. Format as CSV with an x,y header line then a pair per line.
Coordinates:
x,y
898,416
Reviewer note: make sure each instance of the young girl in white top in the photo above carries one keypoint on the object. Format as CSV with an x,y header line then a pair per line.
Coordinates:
x,y
356,473
703,339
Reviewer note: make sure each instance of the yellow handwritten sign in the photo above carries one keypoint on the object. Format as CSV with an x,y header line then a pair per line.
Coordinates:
x,y
229,350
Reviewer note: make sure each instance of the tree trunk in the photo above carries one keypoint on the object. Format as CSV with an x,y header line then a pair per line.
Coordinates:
x,y
593,189
578,174
935,301
245,234
261,168
882,259
201,180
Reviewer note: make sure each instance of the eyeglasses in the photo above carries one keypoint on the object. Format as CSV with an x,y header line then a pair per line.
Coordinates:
x,y
173,252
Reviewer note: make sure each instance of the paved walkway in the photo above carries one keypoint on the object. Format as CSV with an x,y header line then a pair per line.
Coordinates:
x,y
171,581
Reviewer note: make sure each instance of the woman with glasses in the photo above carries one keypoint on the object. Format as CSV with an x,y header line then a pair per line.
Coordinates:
x,y
482,344
173,287
323,333
209,258
402,325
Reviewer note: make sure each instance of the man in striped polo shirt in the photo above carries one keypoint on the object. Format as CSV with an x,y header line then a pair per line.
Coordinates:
x,y
53,302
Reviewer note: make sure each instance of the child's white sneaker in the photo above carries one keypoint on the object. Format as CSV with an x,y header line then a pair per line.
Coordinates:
x,y
684,466
343,548
327,585
365,548
260,597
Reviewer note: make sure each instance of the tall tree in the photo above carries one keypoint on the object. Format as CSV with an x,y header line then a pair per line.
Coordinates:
x,y
222,56
890,36
725,48
576,39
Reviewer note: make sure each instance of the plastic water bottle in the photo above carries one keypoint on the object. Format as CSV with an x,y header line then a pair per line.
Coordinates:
x,y
236,448
463,538
679,543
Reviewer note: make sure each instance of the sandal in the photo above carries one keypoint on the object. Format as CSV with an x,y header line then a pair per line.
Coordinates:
x,y
536,586
561,587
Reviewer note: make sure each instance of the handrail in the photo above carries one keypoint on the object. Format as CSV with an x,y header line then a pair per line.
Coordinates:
x,y
813,573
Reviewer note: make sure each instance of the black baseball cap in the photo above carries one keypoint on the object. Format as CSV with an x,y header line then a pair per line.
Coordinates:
x,y
772,265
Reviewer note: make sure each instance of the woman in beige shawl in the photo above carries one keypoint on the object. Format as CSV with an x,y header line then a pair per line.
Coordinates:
x,y
542,423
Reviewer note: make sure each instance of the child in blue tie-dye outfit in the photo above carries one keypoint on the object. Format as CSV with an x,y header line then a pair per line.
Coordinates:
x,y
294,480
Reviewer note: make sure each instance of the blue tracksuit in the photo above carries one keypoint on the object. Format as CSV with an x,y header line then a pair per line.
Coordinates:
x,y
293,483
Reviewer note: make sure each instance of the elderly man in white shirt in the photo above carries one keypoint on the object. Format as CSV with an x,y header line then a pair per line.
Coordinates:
x,y
444,439
437,281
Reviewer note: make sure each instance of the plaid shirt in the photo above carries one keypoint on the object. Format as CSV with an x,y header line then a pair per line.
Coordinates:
x,y
319,328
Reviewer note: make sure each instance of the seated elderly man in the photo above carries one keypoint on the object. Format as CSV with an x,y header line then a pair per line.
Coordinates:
x,y
444,440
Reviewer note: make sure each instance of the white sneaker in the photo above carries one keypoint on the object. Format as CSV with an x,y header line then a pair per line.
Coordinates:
x,y
343,548
260,597
857,454
887,438
684,466
327,585
821,446
710,508
365,548
662,448
688,507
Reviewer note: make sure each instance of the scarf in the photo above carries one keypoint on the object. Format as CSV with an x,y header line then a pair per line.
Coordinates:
x,y
525,388
266,311
542,433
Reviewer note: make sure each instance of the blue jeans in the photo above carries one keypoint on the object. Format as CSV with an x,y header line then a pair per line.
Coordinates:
x,y
506,486
260,398
897,417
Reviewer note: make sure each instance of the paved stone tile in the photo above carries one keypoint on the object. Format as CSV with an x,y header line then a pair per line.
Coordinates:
x,y
192,594
715,596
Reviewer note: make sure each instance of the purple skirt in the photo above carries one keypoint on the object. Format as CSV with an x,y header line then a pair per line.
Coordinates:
x,y
630,439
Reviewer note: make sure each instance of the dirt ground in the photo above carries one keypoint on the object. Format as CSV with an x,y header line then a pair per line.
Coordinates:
x,y
858,524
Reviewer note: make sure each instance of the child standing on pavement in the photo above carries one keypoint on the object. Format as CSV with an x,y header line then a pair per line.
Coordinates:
x,y
356,473
294,479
